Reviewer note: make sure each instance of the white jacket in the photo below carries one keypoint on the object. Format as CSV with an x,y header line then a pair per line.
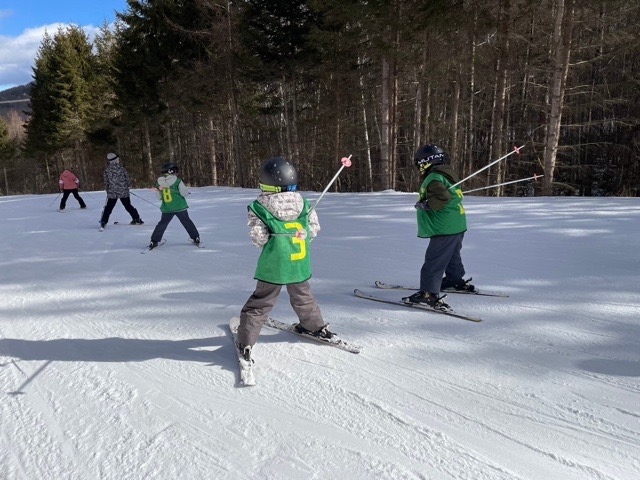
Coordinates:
x,y
284,206
166,181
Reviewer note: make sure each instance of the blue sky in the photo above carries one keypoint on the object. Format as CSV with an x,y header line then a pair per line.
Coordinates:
x,y
24,22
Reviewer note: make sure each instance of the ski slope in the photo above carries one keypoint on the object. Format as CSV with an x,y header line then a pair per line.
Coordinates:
x,y
116,365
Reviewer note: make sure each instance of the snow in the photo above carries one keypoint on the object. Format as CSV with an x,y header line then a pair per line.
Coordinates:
x,y
116,365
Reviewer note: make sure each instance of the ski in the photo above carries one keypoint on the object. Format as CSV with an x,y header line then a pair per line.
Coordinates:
x,y
247,378
130,224
335,341
482,293
147,249
199,245
426,308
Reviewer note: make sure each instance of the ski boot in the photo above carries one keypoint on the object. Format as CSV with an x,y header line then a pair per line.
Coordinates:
x,y
429,299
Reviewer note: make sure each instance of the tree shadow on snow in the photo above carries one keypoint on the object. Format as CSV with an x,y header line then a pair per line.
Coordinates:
x,y
620,368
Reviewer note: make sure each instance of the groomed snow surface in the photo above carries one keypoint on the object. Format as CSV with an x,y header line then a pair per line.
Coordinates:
x,y
117,365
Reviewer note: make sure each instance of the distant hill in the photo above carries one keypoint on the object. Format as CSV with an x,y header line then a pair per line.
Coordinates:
x,y
15,98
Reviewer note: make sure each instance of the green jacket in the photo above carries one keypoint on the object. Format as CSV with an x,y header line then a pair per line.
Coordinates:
x,y
446,215
285,259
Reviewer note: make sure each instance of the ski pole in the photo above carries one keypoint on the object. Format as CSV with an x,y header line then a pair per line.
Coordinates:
x,y
302,234
346,162
87,194
535,178
54,200
144,199
515,150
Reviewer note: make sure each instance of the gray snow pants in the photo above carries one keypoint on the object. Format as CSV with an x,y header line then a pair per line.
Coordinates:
x,y
256,311
442,257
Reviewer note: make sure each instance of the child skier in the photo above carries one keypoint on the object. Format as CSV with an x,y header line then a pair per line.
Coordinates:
x,y
282,223
172,191
441,218
69,185
117,184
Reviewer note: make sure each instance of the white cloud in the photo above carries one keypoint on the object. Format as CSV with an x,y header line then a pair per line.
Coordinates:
x,y
18,54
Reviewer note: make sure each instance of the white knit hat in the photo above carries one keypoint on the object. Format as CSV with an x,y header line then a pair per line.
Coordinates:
x,y
112,156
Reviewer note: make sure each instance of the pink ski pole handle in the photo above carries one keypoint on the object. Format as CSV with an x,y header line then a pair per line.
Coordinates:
x,y
346,162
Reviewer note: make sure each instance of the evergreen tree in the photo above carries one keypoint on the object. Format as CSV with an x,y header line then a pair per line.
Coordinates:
x,y
278,36
43,113
101,130
218,85
6,149
74,73
155,43
60,95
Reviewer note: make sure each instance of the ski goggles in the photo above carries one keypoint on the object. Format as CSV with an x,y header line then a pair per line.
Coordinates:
x,y
278,189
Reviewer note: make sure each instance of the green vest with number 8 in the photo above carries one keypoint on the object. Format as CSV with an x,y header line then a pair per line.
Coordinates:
x,y
172,199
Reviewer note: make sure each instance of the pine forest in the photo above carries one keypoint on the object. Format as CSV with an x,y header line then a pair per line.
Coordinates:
x,y
219,86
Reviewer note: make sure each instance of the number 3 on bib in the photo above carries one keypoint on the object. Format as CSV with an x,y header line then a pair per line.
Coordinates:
x,y
297,241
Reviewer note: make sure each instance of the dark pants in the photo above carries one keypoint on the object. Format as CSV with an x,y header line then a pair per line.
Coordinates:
x,y
255,312
442,257
76,195
162,225
126,203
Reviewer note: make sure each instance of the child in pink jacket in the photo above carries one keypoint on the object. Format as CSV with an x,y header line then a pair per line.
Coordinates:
x,y
69,185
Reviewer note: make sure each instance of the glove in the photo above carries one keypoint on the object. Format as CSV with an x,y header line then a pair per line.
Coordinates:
x,y
423,205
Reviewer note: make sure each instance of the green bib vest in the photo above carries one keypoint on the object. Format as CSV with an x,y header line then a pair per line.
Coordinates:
x,y
448,221
172,199
285,259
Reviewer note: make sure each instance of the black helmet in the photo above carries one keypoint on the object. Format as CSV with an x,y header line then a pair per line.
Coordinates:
x,y
170,167
278,175
429,155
